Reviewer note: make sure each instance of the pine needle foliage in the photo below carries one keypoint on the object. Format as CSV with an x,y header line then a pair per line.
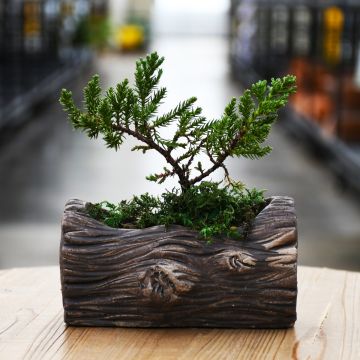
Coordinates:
x,y
241,131
133,111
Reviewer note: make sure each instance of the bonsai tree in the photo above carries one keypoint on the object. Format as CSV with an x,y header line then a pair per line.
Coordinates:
x,y
213,208
165,275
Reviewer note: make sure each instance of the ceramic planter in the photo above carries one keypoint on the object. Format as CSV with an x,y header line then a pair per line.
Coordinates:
x,y
158,277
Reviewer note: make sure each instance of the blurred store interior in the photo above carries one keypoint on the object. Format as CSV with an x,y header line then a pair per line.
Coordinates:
x,y
213,49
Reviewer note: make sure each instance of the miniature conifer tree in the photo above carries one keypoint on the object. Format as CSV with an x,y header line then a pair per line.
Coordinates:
x,y
125,111
133,111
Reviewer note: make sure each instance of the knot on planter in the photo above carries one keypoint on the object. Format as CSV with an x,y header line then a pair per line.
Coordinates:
x,y
241,261
160,284
235,260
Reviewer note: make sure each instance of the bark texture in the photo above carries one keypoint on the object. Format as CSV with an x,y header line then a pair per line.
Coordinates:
x,y
169,278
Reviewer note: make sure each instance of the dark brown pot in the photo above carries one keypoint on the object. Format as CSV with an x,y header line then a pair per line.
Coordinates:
x,y
169,278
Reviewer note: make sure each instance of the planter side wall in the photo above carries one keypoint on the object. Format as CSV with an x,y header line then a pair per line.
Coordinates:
x,y
168,278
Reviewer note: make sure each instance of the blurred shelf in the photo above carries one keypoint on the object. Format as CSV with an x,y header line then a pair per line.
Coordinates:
x,y
15,108
318,41
342,158
43,44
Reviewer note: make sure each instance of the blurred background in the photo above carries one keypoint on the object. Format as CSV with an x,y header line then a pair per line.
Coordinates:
x,y
213,49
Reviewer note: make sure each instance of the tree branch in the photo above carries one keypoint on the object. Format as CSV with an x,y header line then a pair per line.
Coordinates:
x,y
219,161
183,180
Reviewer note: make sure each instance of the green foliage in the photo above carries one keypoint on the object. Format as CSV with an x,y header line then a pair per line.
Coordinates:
x,y
125,111
94,31
133,111
140,212
207,207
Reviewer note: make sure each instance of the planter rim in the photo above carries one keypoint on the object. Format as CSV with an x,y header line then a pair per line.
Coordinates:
x,y
78,206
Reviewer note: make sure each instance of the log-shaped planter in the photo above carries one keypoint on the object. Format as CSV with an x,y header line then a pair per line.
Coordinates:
x,y
158,277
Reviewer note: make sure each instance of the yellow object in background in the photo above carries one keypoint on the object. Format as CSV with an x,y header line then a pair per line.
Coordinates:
x,y
333,28
32,18
130,37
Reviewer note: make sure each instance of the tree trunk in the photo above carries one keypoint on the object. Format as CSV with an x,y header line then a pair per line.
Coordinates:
x,y
158,277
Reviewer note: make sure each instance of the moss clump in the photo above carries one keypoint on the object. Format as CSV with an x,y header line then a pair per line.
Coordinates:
x,y
208,208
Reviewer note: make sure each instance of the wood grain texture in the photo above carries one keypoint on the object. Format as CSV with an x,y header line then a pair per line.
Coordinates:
x,y
32,327
158,277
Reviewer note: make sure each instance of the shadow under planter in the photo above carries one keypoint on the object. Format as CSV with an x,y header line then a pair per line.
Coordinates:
x,y
158,277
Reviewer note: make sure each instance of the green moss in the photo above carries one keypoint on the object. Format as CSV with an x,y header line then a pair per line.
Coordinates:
x,y
207,207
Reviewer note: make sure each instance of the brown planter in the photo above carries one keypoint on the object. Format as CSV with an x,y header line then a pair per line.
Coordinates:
x,y
169,278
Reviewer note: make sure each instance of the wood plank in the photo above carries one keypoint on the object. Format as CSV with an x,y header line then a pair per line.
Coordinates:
x,y
31,325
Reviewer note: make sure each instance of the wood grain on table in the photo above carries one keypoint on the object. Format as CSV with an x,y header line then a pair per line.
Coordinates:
x,y
31,325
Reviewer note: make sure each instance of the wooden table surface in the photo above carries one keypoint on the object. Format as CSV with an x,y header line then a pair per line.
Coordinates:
x,y
31,325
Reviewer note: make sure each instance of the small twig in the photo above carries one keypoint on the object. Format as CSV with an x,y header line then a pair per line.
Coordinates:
x,y
219,161
152,144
